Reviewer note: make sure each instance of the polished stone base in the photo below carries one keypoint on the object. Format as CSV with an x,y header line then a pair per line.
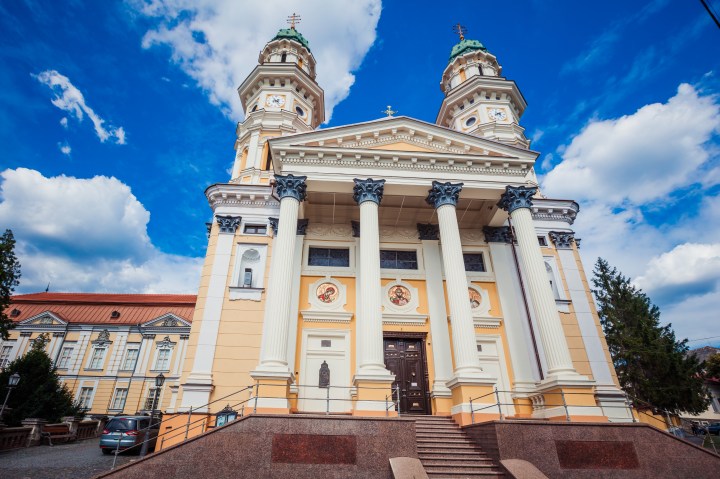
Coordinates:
x,y
270,446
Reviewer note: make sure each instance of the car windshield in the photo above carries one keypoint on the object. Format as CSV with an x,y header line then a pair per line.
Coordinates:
x,y
121,424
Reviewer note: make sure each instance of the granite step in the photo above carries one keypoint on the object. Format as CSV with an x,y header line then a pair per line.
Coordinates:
x,y
449,458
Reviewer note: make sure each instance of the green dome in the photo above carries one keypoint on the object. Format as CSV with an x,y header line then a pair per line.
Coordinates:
x,y
292,34
464,47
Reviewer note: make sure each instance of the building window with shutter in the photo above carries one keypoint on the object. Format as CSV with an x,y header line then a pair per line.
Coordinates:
x,y
162,362
131,356
85,397
118,402
97,359
65,356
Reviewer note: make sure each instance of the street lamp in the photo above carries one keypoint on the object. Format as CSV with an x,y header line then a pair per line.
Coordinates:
x,y
12,382
159,381
225,416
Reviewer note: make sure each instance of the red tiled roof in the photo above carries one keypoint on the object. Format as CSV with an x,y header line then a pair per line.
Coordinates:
x,y
96,308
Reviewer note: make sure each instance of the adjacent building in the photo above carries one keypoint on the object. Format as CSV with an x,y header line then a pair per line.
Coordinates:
x,y
108,348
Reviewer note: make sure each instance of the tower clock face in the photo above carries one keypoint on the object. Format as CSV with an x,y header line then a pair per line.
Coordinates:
x,y
275,100
497,114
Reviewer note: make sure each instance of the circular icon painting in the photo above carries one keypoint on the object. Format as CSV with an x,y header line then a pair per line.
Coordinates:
x,y
327,292
475,298
399,295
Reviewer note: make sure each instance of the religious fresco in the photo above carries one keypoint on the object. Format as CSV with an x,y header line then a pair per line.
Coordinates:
x,y
475,298
399,295
327,292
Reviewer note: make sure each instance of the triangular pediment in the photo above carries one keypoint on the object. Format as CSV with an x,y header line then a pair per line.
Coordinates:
x,y
46,318
167,320
400,135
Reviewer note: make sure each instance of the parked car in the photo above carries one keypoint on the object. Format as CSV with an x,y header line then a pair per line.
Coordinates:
x,y
124,432
714,428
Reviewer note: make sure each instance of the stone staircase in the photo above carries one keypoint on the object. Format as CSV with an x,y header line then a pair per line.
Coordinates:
x,y
446,452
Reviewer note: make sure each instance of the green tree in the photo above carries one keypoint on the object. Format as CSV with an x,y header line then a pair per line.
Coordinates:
x,y
712,366
9,276
39,392
651,364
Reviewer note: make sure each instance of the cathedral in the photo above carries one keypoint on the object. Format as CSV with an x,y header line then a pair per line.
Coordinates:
x,y
393,266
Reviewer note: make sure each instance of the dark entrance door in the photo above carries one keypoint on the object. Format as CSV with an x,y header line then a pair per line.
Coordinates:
x,y
405,358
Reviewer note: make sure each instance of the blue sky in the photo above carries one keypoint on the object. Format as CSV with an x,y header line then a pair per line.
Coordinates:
x,y
116,115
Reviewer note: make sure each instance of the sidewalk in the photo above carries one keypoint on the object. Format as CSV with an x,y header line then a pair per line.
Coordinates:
x,y
77,460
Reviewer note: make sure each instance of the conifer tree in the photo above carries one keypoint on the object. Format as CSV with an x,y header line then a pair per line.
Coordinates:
x,y
39,393
651,364
9,276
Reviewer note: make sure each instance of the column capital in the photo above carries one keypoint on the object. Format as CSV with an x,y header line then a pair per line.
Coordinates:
x,y
444,194
291,186
228,224
428,231
368,190
500,234
562,239
517,197
301,225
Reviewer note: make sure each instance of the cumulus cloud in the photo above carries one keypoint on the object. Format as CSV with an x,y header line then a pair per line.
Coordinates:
x,y
68,98
64,122
65,148
640,157
87,235
217,42
643,181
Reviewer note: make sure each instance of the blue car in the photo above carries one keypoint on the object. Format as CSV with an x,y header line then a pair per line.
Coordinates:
x,y
714,428
125,432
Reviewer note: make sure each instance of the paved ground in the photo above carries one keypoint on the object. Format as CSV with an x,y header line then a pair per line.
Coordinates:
x,y
78,460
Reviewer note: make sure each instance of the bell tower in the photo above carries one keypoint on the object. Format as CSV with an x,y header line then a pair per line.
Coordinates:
x,y
478,100
279,97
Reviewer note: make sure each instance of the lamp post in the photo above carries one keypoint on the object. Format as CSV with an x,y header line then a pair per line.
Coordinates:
x,y
225,416
159,381
12,382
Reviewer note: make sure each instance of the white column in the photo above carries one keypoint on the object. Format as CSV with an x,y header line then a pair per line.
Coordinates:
x,y
278,305
295,301
371,358
515,317
444,197
518,201
442,354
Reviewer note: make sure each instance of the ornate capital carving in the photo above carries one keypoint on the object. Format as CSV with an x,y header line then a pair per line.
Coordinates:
x,y
444,194
368,190
228,224
355,225
428,231
208,227
291,186
301,225
500,234
517,197
562,239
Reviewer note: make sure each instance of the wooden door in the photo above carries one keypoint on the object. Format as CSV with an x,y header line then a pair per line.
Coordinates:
x,y
404,357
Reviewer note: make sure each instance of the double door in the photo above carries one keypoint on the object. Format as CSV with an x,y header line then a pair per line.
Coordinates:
x,y
405,358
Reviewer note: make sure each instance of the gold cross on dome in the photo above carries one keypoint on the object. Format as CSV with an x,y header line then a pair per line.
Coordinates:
x,y
293,19
460,30
389,111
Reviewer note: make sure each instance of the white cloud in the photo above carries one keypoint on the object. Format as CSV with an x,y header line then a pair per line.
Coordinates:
x,y
640,157
87,235
656,163
217,42
65,148
68,98
64,122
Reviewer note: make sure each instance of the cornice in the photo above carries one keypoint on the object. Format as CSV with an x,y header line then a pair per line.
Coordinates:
x,y
554,210
225,194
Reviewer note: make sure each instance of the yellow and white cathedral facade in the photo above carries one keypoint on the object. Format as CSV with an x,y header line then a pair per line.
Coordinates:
x,y
393,261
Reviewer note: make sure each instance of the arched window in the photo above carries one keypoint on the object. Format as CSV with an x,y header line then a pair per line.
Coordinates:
x,y
283,58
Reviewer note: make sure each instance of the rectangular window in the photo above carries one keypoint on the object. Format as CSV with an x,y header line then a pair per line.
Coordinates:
x,y
97,359
118,402
542,241
85,397
255,229
65,356
474,262
5,356
391,259
339,257
131,356
162,363
150,399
